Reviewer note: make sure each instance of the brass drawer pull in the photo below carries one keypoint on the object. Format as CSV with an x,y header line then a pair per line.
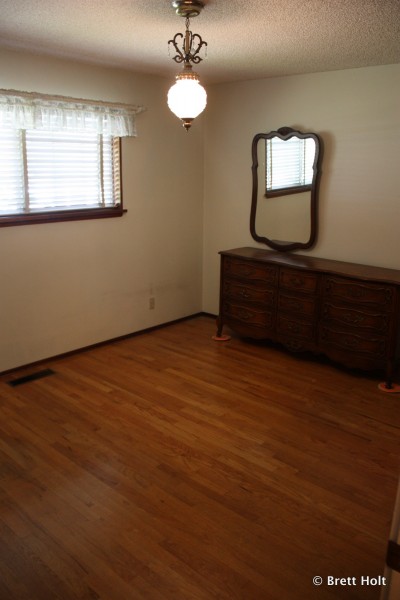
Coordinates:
x,y
350,342
294,304
296,281
245,315
293,327
245,272
353,319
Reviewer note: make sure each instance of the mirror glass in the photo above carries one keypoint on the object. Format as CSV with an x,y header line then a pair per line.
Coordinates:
x,y
286,169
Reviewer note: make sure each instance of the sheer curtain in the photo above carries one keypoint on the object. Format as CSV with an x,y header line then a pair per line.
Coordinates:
x,y
30,110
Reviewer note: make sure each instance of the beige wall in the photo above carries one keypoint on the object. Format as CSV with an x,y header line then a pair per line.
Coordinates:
x,y
69,285
357,113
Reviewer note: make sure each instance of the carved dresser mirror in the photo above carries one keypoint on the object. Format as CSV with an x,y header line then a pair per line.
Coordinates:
x,y
347,311
286,173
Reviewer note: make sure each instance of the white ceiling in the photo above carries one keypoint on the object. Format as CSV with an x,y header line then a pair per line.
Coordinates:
x,y
247,39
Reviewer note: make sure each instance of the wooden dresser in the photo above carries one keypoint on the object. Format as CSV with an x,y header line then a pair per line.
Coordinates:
x,y
349,312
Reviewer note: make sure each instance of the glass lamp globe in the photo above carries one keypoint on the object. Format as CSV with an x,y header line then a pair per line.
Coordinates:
x,y
187,98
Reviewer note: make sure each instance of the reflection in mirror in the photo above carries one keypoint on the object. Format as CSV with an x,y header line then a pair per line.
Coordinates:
x,y
289,164
285,189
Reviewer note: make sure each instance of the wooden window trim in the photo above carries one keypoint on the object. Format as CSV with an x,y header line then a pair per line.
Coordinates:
x,y
62,215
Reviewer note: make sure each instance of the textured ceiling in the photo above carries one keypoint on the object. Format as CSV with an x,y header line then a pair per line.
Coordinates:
x,y
247,39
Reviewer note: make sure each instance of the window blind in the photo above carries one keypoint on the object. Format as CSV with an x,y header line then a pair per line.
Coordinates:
x,y
60,155
289,163
51,171
12,186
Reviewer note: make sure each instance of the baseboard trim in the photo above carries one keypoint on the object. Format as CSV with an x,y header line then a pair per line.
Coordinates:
x,y
105,342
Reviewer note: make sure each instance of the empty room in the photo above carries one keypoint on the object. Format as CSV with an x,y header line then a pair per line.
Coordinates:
x,y
200,300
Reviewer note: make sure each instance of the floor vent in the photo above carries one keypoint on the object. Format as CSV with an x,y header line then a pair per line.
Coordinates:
x,y
31,377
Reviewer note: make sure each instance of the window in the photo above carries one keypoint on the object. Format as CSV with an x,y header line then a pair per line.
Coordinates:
x,y
54,172
60,159
289,164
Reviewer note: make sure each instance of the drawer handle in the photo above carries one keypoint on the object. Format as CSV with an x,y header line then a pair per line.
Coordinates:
x,y
296,280
353,319
294,304
244,315
245,271
293,327
356,293
294,345
350,342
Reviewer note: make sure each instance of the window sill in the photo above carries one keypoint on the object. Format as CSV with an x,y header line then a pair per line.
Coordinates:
x,y
62,215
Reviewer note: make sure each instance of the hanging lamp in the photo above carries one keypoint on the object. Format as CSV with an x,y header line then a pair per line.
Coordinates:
x,y
187,98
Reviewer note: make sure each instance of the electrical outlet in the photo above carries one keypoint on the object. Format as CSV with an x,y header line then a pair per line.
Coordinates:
x,y
152,303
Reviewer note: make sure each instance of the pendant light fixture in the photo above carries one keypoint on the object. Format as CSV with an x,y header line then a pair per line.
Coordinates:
x,y
187,98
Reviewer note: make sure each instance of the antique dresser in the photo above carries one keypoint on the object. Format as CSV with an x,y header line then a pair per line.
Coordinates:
x,y
347,311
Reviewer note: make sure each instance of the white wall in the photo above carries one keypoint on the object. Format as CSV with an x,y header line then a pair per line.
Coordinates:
x,y
68,285
357,113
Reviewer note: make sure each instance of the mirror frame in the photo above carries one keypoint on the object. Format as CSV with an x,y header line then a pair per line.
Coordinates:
x,y
285,133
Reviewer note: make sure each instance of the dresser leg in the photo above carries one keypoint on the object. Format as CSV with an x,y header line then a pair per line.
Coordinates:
x,y
219,336
393,388
388,386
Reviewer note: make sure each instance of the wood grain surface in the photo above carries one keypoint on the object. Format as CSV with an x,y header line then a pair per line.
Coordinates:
x,y
168,466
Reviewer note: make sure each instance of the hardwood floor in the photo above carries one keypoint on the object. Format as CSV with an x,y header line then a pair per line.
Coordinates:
x,y
171,467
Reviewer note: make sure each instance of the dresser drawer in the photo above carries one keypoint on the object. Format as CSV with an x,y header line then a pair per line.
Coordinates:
x,y
248,293
358,292
361,319
376,347
249,271
248,315
347,311
292,279
294,327
303,305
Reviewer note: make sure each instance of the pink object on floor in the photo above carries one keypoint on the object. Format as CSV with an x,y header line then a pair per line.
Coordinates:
x,y
394,389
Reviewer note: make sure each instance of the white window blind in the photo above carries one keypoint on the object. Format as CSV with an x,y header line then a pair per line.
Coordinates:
x,y
50,171
289,163
12,186
60,154
66,170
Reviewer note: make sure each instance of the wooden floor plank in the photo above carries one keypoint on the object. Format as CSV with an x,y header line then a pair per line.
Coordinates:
x,y
168,466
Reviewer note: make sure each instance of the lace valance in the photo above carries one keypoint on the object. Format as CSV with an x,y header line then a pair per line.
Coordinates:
x,y
30,110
